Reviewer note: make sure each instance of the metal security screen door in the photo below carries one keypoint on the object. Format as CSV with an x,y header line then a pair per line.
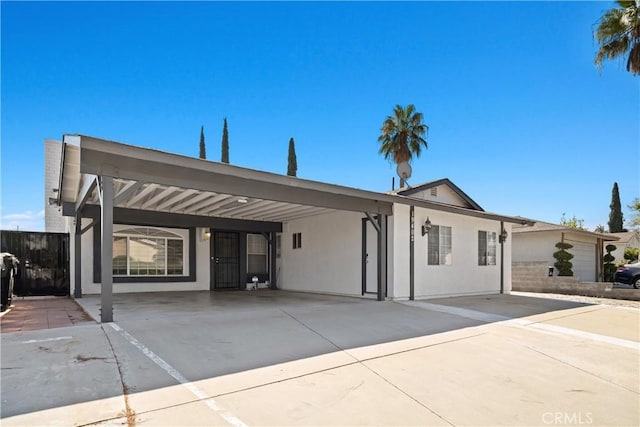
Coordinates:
x,y
226,260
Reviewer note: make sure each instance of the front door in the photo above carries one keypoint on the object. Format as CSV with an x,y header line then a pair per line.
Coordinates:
x,y
225,260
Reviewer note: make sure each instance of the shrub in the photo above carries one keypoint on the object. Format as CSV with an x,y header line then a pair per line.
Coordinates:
x,y
609,267
563,263
631,254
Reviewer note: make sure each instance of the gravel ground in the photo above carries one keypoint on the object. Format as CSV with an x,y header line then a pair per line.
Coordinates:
x,y
586,300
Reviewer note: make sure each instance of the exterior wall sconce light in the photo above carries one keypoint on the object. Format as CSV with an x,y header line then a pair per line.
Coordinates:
x,y
426,227
206,235
503,236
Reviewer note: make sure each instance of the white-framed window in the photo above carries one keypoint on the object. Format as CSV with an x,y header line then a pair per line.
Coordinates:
x,y
439,245
143,251
486,248
257,254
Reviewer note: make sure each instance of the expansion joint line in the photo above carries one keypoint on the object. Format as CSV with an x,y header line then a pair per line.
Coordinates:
x,y
361,363
578,368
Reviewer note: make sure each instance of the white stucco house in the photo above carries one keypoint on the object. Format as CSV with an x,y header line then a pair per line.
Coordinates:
x,y
537,243
176,223
628,239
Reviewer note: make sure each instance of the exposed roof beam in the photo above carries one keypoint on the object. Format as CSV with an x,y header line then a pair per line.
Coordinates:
x,y
89,183
191,201
142,194
214,209
175,199
161,195
263,207
130,188
286,213
167,219
316,211
205,204
238,207
279,209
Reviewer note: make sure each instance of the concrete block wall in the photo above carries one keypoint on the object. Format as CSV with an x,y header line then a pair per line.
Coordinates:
x,y
533,276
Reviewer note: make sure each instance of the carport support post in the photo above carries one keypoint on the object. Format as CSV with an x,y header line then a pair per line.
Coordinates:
x,y
106,262
77,257
382,257
272,244
411,253
501,258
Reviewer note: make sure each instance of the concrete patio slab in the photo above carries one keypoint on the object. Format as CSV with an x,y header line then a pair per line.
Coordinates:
x,y
34,313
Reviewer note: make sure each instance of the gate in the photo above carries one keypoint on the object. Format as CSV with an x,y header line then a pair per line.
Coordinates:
x,y
44,261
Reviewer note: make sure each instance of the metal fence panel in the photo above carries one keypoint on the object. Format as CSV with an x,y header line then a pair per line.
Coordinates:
x,y
44,261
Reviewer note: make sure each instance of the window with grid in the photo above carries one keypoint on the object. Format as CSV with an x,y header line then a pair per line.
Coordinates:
x,y
487,248
147,252
439,245
257,254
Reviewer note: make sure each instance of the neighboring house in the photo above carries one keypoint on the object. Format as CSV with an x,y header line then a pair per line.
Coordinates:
x,y
537,243
629,239
176,223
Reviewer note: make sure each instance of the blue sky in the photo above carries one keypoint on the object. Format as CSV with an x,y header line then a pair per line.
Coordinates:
x,y
519,116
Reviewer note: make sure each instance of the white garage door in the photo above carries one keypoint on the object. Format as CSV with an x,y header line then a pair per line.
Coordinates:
x,y
584,261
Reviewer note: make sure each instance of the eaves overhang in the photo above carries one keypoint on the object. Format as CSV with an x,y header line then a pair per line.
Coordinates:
x,y
464,211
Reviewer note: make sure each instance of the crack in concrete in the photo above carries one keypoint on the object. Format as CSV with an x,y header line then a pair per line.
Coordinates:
x,y
129,412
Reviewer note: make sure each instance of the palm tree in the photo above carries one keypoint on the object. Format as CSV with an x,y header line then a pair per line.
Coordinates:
x,y
403,135
618,34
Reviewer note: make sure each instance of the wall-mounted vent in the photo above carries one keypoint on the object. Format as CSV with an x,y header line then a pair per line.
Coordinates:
x,y
434,191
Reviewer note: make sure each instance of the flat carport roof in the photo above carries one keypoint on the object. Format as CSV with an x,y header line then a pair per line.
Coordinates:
x,y
152,180
127,181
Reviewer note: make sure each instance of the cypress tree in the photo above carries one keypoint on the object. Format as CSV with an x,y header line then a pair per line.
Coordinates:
x,y
615,215
292,166
225,143
203,150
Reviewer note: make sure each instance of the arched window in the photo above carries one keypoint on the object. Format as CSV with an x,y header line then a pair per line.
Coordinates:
x,y
144,251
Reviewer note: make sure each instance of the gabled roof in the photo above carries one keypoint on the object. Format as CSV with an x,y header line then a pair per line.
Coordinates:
x,y
626,236
444,181
541,226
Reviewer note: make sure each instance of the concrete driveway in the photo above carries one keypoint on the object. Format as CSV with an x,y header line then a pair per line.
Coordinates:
x,y
280,358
